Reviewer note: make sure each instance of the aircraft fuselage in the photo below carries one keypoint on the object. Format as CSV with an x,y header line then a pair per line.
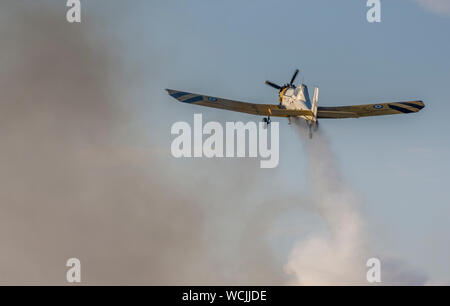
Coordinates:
x,y
296,98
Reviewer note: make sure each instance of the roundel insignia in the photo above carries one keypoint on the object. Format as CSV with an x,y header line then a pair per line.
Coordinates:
x,y
378,106
212,99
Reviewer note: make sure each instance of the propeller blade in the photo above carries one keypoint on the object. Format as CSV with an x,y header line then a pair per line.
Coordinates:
x,y
273,85
293,77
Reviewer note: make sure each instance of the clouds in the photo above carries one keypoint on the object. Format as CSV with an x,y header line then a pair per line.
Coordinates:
x,y
441,7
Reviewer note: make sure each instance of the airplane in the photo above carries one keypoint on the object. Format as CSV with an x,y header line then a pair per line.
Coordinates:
x,y
294,101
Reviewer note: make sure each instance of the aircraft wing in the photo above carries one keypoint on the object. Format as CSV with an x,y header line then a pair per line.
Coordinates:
x,y
237,106
356,111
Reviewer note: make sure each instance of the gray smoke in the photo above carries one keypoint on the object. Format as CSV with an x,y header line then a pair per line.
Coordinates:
x,y
75,180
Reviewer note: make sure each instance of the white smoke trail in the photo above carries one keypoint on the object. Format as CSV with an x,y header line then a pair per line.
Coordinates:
x,y
338,255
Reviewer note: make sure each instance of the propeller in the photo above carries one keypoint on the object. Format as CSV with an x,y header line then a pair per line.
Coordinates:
x,y
293,77
273,85
286,85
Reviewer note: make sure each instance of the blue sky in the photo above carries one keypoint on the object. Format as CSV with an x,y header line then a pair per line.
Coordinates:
x,y
400,165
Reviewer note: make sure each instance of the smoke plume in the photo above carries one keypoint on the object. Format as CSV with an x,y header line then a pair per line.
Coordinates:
x,y
78,179
338,254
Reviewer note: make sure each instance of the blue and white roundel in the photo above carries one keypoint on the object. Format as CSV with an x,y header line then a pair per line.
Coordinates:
x,y
212,99
378,106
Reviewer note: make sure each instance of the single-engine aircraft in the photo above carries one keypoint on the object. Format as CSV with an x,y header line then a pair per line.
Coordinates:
x,y
294,101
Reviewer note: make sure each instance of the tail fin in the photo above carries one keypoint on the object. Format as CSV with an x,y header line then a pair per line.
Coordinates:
x,y
315,102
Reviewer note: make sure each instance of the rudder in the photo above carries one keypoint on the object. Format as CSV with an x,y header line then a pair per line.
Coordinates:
x,y
315,102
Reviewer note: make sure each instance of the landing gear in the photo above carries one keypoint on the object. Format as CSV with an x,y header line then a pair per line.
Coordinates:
x,y
289,120
267,121
310,130
312,126
316,126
